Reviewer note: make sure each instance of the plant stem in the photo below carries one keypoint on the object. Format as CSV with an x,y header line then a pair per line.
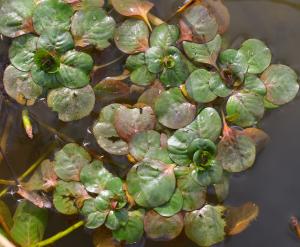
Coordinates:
x,y
7,182
27,123
59,235
155,20
5,242
31,168
101,66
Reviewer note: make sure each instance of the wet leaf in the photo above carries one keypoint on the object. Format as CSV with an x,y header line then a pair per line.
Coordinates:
x,y
222,187
102,237
150,95
173,110
254,84
239,218
204,86
281,83
133,8
205,226
15,17
134,229
29,224
194,195
248,108
258,136
151,183
160,154
237,153
21,52
106,134
55,40
201,22
44,178
207,124
92,26
20,86
142,142
5,215
164,36
129,122
204,53
71,104
52,14
178,145
132,36
172,207
95,177
70,160
159,228
258,55
234,61
68,197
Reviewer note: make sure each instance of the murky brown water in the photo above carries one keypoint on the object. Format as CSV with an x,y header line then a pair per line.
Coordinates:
x,y
274,181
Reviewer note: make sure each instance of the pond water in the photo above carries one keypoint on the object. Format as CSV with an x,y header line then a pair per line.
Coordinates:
x,y
273,183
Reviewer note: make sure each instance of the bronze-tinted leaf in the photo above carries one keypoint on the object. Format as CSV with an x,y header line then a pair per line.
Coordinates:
x,y
258,136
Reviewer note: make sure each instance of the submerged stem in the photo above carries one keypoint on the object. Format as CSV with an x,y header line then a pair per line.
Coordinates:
x,y
101,66
59,235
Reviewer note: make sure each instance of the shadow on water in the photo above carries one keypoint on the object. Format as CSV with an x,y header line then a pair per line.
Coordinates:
x,y
274,181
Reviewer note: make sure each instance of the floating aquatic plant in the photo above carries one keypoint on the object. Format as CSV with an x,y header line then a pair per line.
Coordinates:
x,y
194,119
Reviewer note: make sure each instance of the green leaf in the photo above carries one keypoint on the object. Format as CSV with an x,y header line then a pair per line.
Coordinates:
x,y
142,142
208,124
55,40
236,154
194,195
106,134
160,154
172,207
92,26
5,215
247,107
258,55
21,52
255,85
70,160
133,230
173,110
164,36
130,121
68,197
132,36
151,183
204,53
154,59
205,226
222,187
281,83
159,228
20,86
15,17
95,177
52,14
202,23
234,61
93,217
72,104
29,224
134,62
116,219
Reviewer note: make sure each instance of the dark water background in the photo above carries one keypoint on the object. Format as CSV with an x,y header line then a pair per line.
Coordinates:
x,y
273,183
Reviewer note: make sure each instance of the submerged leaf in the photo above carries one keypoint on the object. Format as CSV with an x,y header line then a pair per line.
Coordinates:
x,y
92,26
102,237
72,104
106,134
205,226
52,14
281,83
5,215
70,160
129,122
15,17
134,229
204,53
258,136
29,224
132,36
151,183
239,218
133,8
258,55
20,86
159,228
173,110
246,107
